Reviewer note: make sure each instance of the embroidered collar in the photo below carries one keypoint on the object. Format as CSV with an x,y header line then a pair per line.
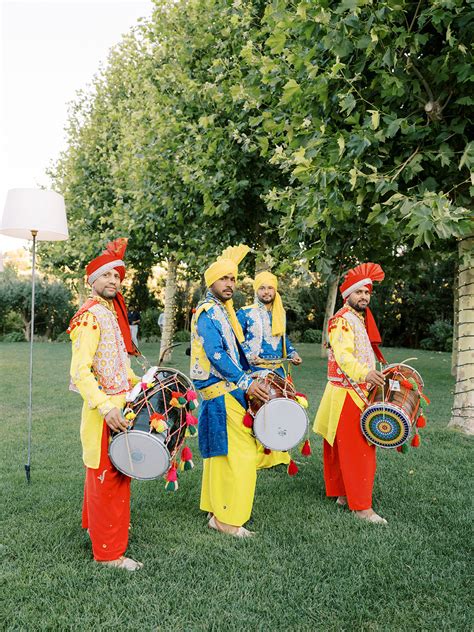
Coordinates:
x,y
104,302
359,315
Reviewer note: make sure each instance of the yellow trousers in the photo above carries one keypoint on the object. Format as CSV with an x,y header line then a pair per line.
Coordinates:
x,y
270,460
228,482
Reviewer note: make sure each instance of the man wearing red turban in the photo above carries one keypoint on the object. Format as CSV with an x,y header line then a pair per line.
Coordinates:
x,y
101,373
349,461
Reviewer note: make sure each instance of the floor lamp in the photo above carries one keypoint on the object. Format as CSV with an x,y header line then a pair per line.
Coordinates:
x,y
41,216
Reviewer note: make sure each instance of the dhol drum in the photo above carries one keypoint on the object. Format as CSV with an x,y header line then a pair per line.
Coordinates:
x,y
281,423
389,419
145,452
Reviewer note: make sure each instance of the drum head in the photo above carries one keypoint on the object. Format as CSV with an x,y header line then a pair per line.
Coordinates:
x,y
385,425
145,457
280,424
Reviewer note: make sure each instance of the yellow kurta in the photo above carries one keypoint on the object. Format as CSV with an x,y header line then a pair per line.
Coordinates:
x,y
97,403
228,482
342,341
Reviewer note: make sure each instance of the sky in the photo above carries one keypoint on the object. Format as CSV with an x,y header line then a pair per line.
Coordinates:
x,y
49,51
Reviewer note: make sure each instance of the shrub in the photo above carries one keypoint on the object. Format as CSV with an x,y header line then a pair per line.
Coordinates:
x,y
182,336
312,335
62,337
14,336
295,335
440,336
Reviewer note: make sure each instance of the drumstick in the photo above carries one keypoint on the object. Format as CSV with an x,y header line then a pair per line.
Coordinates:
x,y
383,393
128,450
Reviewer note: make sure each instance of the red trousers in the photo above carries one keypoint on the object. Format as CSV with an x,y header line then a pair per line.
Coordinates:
x,y
349,465
106,508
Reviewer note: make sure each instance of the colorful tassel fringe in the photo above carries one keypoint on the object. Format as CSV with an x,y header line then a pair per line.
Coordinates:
x,y
421,421
247,420
306,448
186,459
415,442
172,480
292,468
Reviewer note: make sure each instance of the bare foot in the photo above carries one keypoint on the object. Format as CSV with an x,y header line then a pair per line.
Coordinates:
x,y
341,501
370,516
126,563
229,529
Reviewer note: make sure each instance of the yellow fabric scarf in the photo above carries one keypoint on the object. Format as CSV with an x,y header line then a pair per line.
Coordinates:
x,y
228,264
278,311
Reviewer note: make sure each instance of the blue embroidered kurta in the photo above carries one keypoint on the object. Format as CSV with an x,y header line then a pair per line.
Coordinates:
x,y
256,322
227,362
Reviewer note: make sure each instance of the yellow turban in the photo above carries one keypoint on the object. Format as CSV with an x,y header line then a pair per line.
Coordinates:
x,y
278,311
228,264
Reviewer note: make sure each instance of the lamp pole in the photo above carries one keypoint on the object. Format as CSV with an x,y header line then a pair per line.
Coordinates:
x,y
32,331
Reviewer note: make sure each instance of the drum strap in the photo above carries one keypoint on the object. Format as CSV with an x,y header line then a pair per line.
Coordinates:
x,y
355,387
217,389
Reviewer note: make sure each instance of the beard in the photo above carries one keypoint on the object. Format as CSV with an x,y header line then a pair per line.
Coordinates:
x,y
107,293
266,301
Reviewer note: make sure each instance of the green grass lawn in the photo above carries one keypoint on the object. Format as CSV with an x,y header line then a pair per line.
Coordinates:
x,y
311,567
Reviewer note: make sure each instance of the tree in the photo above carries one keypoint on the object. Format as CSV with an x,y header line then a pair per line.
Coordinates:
x,y
463,406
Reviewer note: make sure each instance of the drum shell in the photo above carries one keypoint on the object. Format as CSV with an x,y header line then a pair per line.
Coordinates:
x,y
405,399
156,399
277,387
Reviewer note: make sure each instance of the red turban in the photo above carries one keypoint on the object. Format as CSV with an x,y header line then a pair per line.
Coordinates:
x,y
364,275
112,258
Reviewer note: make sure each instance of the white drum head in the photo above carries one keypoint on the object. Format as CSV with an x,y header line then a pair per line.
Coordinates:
x,y
145,457
280,424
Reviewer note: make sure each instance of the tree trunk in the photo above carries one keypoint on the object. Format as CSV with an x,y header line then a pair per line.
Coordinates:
x,y
170,300
462,416
330,304
187,304
454,354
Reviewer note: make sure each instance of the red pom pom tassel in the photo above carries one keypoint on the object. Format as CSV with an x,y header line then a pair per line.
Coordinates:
x,y
292,468
415,442
186,459
306,448
172,480
247,420
421,421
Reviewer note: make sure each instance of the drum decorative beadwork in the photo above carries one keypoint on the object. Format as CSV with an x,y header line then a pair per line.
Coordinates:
x,y
158,412
281,423
394,411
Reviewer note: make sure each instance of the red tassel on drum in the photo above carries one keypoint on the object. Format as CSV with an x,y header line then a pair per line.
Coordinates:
x,y
421,421
172,480
415,442
247,420
292,468
267,451
306,448
399,448
186,459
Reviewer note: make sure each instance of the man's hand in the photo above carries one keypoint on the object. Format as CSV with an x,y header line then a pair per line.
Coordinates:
x,y
295,359
257,390
375,377
115,421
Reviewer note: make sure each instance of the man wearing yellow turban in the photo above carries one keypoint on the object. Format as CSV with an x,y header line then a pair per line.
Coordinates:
x,y
264,327
223,377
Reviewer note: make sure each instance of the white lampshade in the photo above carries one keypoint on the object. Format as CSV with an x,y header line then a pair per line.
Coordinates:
x,y
38,210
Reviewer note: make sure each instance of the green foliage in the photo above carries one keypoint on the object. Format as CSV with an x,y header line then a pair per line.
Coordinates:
x,y
149,323
182,336
11,322
62,337
312,335
440,336
14,336
53,304
365,107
